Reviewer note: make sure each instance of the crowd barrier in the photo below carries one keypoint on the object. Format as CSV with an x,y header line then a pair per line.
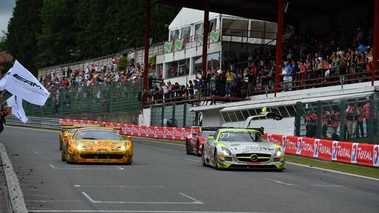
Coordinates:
x,y
336,151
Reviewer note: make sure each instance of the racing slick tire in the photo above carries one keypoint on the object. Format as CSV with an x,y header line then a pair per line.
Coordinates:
x,y
215,160
63,155
197,148
203,157
189,149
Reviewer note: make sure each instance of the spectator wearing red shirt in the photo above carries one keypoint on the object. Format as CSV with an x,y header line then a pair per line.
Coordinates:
x,y
4,112
367,116
311,124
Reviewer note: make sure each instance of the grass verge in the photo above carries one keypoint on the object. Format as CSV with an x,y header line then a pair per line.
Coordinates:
x,y
342,167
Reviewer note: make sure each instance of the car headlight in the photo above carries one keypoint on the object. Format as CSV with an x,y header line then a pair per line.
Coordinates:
x,y
278,152
79,147
226,151
123,147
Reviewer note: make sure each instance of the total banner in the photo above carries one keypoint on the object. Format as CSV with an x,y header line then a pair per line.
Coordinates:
x,y
338,151
174,133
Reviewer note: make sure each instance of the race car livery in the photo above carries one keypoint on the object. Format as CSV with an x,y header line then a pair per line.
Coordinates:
x,y
243,147
97,145
195,141
72,127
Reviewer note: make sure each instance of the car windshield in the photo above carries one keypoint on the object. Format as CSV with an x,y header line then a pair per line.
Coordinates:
x,y
241,137
97,134
206,133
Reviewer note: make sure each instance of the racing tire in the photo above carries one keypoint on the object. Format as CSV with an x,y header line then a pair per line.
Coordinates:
x,y
197,148
215,160
189,149
203,157
63,155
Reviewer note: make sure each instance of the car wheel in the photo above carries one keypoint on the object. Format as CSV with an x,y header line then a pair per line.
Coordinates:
x,y
63,156
189,149
197,148
215,160
203,156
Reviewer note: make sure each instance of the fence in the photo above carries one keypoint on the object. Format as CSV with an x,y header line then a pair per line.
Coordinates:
x,y
341,120
118,101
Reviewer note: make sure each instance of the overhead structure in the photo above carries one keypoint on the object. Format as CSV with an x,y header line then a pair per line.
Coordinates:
x,y
283,12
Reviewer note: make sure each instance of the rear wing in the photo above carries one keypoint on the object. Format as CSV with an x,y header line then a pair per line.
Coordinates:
x,y
209,128
65,127
262,116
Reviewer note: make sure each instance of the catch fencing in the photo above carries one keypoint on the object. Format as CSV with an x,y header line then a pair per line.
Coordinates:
x,y
341,120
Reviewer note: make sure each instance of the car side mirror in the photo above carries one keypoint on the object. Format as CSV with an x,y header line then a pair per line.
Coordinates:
x,y
211,137
129,137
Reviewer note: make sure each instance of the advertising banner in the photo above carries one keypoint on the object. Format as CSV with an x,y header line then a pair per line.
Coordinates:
x,y
338,151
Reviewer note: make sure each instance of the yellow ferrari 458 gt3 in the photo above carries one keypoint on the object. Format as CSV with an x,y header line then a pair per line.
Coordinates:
x,y
72,128
97,145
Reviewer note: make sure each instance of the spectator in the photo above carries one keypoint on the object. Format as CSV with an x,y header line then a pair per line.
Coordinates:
x,y
287,78
334,121
311,124
359,131
325,123
4,112
352,119
229,81
366,114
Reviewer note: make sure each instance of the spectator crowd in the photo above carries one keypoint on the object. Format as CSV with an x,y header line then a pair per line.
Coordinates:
x,y
309,58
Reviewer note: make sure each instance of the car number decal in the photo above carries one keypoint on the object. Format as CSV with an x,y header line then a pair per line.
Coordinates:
x,y
224,135
248,149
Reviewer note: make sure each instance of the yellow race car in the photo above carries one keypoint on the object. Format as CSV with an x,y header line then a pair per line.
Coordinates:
x,y
97,145
71,128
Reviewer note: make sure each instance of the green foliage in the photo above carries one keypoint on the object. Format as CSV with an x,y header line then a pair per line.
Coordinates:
x,y
41,33
23,28
123,63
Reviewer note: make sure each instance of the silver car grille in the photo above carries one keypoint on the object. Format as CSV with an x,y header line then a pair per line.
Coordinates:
x,y
253,157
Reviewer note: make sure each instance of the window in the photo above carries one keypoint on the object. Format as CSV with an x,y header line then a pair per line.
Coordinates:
x,y
174,34
186,33
199,28
178,68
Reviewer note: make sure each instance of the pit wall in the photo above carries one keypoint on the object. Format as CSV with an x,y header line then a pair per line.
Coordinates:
x,y
335,151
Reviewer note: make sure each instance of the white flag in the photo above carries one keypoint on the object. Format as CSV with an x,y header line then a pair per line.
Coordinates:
x,y
23,84
17,109
4,80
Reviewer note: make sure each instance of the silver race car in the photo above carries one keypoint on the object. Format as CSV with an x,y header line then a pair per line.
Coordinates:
x,y
242,148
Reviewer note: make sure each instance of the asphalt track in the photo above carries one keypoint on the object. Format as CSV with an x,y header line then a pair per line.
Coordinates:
x,y
163,178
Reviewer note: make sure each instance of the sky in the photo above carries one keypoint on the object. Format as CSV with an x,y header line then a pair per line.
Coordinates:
x,y
6,10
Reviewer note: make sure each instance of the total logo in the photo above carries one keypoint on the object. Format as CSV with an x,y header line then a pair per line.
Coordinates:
x,y
316,145
354,152
299,148
334,150
269,137
376,155
284,142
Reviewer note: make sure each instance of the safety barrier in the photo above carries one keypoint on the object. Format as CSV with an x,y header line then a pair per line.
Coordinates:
x,y
336,151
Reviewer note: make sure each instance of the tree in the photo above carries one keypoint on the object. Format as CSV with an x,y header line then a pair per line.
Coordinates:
x,y
58,33
23,27
43,33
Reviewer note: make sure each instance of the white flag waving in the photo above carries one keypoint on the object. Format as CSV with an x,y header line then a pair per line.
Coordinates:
x,y
23,84
17,109
4,80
